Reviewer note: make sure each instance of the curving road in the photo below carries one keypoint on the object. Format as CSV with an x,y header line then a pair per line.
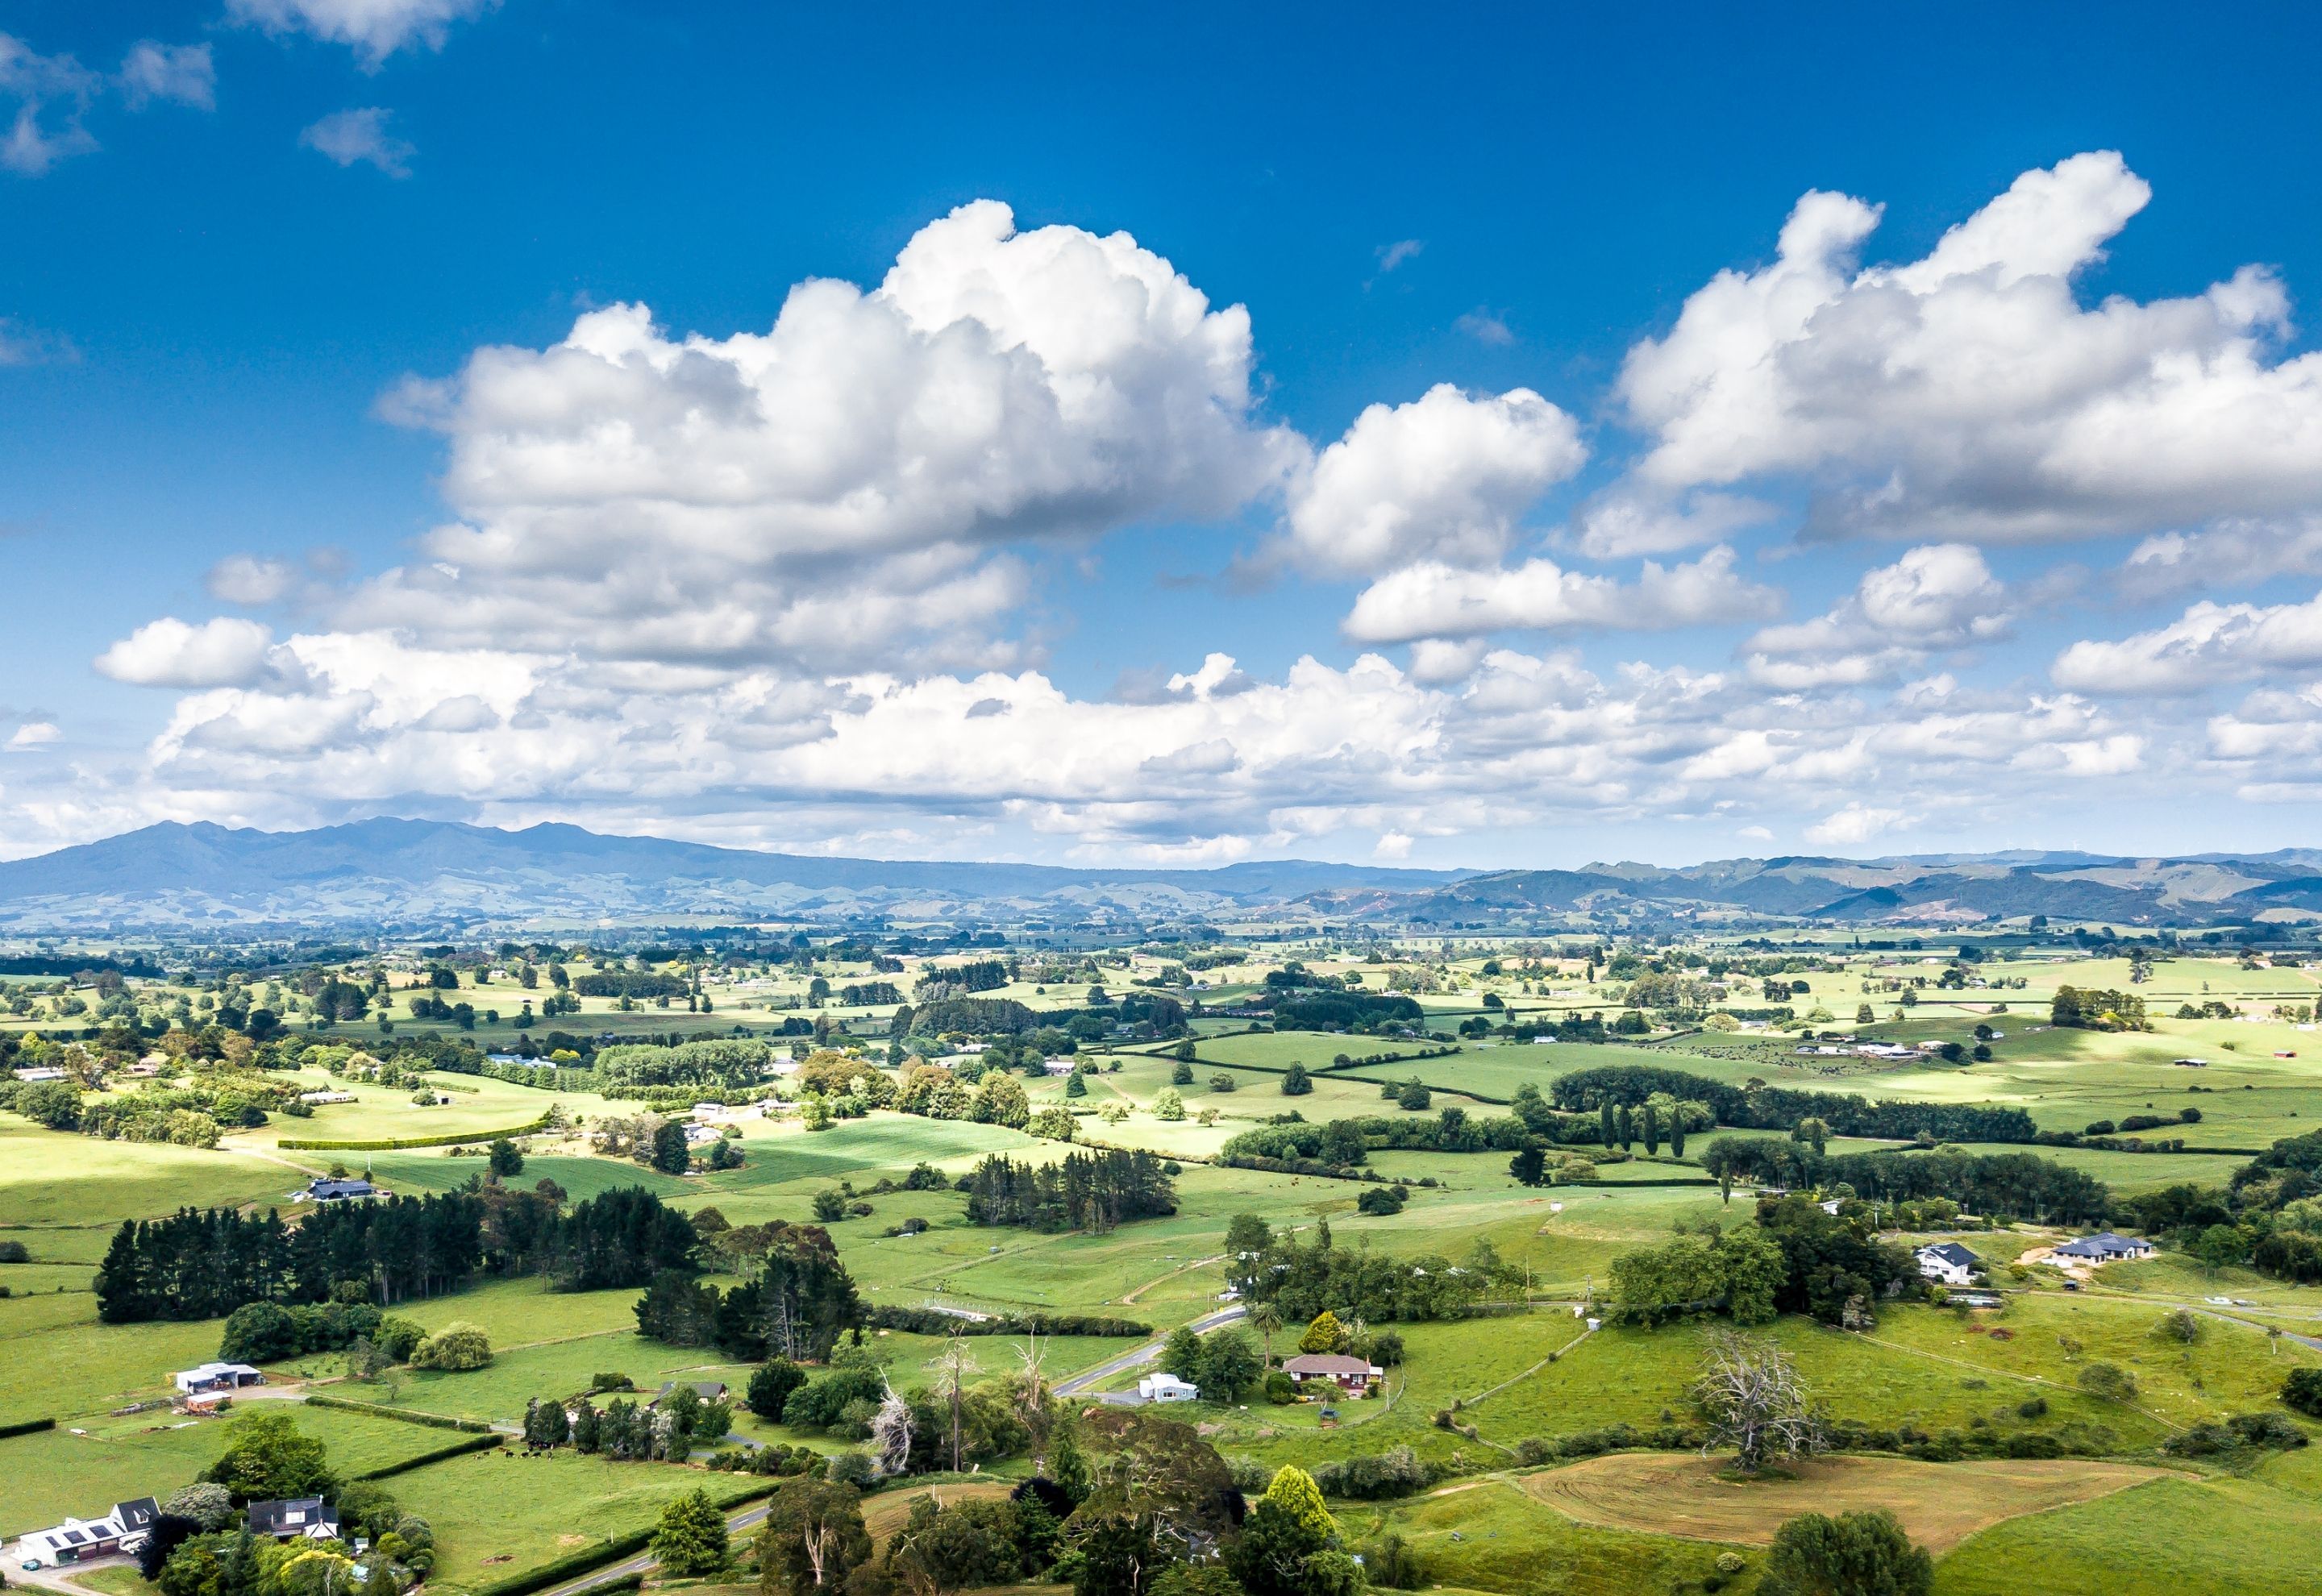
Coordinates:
x,y
1087,1378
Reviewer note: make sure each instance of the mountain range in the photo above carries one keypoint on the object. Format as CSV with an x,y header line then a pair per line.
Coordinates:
x,y
423,874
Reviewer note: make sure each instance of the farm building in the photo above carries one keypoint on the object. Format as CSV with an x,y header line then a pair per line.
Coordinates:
x,y
210,1377
1354,1376
322,1189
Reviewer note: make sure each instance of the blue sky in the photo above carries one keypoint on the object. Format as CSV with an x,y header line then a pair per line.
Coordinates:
x,y
1985,566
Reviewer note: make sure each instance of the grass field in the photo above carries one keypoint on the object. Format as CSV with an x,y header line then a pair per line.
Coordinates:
x,y
497,1513
59,1472
1702,1499
56,1179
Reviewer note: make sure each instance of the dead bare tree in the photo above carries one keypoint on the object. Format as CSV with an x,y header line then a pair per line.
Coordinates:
x,y
1748,1391
1032,1391
891,1434
952,1366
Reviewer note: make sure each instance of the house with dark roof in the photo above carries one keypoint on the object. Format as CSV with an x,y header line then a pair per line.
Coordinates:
x,y
1355,1376
306,1517
2104,1247
1949,1262
709,1391
322,1189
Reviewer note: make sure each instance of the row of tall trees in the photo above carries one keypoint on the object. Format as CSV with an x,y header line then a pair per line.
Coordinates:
x,y
1760,1107
205,1262
1093,1191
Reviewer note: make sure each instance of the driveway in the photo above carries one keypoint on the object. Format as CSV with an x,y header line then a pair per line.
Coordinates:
x,y
1082,1383
59,1578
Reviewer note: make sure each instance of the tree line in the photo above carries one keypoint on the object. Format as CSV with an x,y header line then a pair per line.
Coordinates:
x,y
1090,1191
1774,1108
2000,1185
205,1262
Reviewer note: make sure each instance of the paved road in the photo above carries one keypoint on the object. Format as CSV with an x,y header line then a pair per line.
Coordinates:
x,y
1105,1370
646,1562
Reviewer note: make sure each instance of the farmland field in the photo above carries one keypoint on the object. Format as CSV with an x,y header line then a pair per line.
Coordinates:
x,y
1940,1504
1528,1371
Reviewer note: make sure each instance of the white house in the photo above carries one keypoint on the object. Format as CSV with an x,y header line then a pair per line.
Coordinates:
x,y
1166,1388
1949,1262
124,1529
2104,1247
217,1377
1059,1066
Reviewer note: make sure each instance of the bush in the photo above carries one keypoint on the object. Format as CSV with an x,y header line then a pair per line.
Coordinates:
x,y
1280,1390
1370,1476
2303,1392
2033,1408
457,1347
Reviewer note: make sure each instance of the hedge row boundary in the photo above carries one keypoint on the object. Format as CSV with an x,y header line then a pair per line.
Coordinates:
x,y
440,1454
400,1143
441,1421
26,1428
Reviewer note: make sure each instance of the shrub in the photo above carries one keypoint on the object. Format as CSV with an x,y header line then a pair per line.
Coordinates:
x,y
2303,1392
2033,1408
459,1346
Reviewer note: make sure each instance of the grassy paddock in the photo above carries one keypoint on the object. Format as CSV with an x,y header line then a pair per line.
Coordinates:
x,y
1700,1499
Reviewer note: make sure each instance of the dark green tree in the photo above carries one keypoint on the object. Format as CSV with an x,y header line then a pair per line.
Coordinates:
x,y
1853,1555
690,1538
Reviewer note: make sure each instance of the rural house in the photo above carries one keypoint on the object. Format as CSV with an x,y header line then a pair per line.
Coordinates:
x,y
1353,1376
307,1517
124,1529
2104,1247
1166,1388
1949,1262
322,1189
710,1391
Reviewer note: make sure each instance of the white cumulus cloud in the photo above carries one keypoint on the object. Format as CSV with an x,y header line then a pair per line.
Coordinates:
x,y
171,653
1969,395
1445,477
1435,600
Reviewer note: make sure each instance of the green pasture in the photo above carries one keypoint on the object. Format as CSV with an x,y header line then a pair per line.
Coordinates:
x,y
85,1470
51,1179
497,1513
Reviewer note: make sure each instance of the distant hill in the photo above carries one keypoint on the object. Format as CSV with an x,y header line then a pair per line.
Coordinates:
x,y
427,873
1951,889
424,872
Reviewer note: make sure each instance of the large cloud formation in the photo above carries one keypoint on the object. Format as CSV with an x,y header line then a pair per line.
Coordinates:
x,y
1969,395
771,587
